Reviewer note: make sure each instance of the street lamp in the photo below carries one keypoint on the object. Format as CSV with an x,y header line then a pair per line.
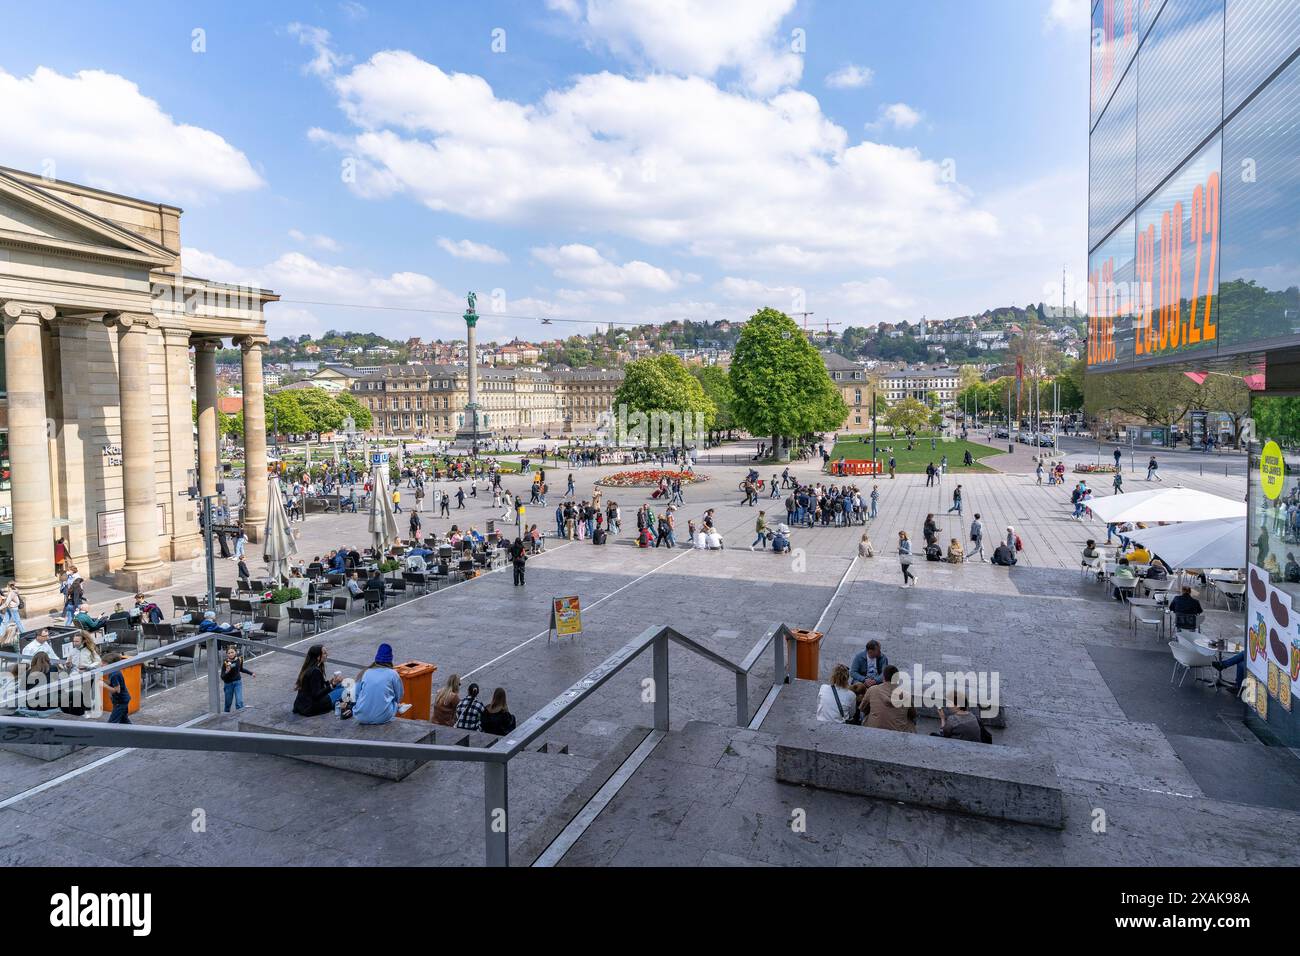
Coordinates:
x,y
214,689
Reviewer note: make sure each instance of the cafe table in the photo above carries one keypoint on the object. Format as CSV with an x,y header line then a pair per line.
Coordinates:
x,y
1218,646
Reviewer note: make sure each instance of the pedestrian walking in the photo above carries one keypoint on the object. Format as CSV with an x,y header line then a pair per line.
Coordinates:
x,y
1153,468
905,559
956,501
976,539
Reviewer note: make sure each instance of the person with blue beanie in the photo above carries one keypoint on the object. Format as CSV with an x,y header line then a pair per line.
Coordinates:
x,y
379,690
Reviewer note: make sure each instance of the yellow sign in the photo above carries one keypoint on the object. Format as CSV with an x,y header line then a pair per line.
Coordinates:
x,y
1272,471
566,616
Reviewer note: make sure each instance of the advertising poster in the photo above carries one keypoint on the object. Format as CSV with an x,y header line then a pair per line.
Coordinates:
x,y
1272,641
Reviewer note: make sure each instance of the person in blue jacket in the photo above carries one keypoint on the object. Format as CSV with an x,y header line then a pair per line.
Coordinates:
x,y
868,667
379,690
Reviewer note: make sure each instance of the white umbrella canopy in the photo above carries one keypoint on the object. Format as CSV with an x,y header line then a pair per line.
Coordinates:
x,y
278,545
383,525
1217,543
1166,504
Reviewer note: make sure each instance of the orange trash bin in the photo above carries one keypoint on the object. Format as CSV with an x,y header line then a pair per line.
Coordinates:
x,y
417,689
132,677
807,658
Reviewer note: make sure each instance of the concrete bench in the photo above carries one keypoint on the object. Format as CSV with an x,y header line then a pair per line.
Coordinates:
x,y
983,780
19,741
280,719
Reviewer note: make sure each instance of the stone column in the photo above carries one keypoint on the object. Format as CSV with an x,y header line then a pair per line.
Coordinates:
x,y
187,542
255,486
144,570
29,456
205,394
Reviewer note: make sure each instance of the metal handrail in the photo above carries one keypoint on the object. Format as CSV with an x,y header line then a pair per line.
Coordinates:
x,y
496,759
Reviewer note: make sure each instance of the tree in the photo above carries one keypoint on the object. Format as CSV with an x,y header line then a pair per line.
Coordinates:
x,y
662,384
910,415
283,412
717,388
1228,394
1277,418
781,385
324,413
361,416
1154,397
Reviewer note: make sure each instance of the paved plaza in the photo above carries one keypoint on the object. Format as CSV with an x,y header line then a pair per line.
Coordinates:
x,y
1178,775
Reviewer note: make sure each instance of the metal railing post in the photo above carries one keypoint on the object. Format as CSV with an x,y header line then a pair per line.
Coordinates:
x,y
496,819
214,679
742,699
660,652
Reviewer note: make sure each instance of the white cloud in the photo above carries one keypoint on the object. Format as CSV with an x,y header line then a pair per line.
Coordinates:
x,y
604,296
897,115
1070,15
353,11
586,266
694,37
314,289
326,61
315,240
850,77
662,160
99,128
472,251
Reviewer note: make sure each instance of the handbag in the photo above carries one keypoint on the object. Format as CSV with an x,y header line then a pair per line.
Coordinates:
x,y
855,717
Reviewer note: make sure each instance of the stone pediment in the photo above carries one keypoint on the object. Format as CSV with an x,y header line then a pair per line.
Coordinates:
x,y
31,217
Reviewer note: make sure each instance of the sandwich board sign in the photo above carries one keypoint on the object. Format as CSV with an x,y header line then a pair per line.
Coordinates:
x,y
566,617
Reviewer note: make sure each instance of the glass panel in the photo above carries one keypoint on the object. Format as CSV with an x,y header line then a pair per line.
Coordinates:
x,y
1180,86
1272,541
1177,269
1114,41
1260,35
1259,293
1111,295
1112,158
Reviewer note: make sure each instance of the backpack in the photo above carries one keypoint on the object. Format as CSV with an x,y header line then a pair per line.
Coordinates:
x,y
1019,546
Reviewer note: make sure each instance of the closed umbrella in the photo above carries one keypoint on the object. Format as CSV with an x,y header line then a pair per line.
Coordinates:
x,y
278,545
383,526
1165,504
1217,543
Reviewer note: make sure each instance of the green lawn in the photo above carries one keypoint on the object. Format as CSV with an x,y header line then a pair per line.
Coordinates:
x,y
914,461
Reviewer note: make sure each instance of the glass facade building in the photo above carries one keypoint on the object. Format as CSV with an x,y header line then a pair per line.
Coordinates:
x,y
1194,259
1194,181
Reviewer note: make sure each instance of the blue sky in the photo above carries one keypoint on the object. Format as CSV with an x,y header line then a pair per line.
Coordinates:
x,y
590,160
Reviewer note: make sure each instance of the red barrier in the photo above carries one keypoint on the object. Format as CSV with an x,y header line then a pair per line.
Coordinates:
x,y
855,466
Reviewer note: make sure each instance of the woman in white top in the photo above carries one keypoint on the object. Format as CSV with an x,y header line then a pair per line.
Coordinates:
x,y
835,701
714,541
83,655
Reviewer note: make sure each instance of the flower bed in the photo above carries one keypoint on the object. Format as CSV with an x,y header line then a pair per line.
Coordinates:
x,y
1094,469
648,478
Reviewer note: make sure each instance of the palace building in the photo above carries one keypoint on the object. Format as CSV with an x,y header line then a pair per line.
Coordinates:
x,y
430,399
106,344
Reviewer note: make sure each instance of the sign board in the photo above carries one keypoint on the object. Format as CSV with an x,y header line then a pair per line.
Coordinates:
x,y
1272,471
566,616
112,525
379,458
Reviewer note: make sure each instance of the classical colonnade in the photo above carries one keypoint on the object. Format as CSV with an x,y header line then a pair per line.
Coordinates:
x,y
31,429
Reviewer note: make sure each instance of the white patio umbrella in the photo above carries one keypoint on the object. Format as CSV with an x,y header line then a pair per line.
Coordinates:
x,y
1166,504
1217,543
278,545
383,526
